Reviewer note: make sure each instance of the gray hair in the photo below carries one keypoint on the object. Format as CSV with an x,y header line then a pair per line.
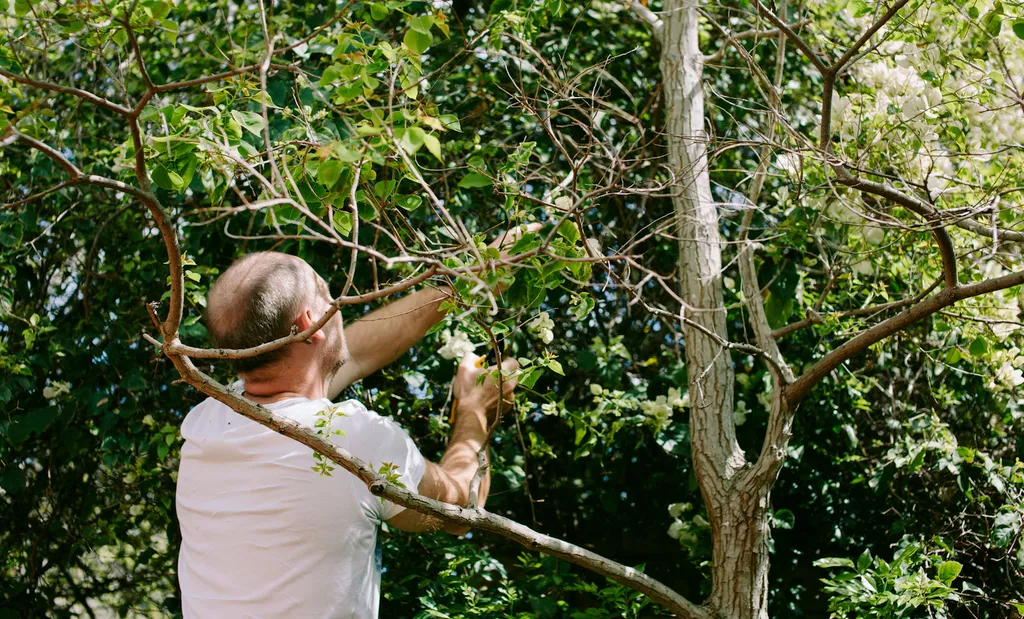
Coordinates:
x,y
255,301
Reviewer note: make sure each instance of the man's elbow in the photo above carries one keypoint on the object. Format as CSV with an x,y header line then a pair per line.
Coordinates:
x,y
456,529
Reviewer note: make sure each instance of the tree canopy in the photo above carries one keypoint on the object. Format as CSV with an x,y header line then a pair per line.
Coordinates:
x,y
862,168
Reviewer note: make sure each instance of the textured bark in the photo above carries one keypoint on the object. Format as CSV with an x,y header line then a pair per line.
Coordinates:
x,y
736,504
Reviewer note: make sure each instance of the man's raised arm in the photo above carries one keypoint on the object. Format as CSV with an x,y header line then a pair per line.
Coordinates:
x,y
383,335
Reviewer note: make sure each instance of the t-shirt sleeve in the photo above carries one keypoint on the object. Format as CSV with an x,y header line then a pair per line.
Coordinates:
x,y
387,442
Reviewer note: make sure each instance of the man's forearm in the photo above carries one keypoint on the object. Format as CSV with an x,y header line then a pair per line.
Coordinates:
x,y
385,334
460,461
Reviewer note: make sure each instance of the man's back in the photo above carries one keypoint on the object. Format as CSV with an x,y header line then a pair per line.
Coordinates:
x,y
266,536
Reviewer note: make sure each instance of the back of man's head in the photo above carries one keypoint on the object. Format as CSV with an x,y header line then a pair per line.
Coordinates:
x,y
256,300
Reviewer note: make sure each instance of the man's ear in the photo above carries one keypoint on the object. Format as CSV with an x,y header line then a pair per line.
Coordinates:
x,y
305,321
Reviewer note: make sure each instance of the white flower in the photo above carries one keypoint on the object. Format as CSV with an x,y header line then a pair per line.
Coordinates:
x,y
542,327
676,399
789,163
676,509
549,408
415,379
659,410
56,389
1010,376
455,345
674,529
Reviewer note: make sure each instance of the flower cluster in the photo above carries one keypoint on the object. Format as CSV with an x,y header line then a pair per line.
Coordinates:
x,y
542,328
456,345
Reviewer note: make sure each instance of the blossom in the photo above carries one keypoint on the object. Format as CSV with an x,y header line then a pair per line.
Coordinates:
x,y
674,529
455,345
542,327
1010,376
659,410
676,509
677,399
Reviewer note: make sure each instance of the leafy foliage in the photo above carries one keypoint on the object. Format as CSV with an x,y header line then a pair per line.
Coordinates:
x,y
495,105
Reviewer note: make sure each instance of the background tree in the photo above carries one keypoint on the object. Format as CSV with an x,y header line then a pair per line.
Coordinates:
x,y
855,177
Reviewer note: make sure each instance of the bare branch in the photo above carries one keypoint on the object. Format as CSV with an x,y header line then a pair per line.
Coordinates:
x,y
177,348
915,205
648,16
864,38
945,298
68,90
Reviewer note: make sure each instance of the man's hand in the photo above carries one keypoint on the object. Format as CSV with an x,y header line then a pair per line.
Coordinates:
x,y
476,398
450,480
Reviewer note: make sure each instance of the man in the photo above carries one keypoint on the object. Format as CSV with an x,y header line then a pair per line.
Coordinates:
x,y
263,535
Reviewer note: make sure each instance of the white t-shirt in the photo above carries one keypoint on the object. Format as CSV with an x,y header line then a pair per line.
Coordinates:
x,y
263,535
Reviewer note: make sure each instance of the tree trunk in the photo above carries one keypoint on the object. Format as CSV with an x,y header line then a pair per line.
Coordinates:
x,y
736,504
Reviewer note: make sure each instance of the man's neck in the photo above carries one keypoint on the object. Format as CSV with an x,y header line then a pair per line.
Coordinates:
x,y
276,386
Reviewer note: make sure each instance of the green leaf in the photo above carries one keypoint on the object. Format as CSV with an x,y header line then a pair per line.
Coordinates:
x,y
833,562
343,222
529,377
979,346
410,202
417,41
433,145
379,11
450,122
569,232
992,22
949,570
1018,29
1018,606
11,234
783,519
863,561
410,139
329,172
21,8
474,179
1004,529
383,189
167,179
421,23
556,367
251,121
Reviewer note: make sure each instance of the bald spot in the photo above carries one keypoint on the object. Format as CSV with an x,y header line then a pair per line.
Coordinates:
x,y
256,300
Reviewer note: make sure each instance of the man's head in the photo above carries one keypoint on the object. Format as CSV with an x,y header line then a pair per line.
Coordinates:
x,y
262,297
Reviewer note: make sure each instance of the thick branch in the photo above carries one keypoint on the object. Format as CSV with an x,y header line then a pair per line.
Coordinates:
x,y
177,348
945,298
981,229
648,16
920,207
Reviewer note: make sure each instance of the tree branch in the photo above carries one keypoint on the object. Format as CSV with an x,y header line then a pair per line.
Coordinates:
x,y
945,298
68,90
915,205
177,348
649,17
473,517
